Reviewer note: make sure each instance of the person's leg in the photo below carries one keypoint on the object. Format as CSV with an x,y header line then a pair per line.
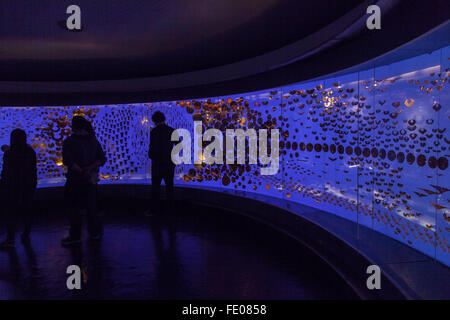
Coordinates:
x,y
100,209
10,218
27,215
72,195
168,180
156,190
92,214
75,198
27,211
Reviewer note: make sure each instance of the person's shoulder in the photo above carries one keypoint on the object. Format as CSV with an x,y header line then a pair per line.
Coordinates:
x,y
68,139
96,141
168,128
157,129
30,150
7,153
71,140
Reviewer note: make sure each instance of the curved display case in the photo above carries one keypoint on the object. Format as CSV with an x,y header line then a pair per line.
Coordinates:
x,y
371,146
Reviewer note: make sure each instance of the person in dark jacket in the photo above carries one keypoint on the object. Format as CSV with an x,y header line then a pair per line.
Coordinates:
x,y
18,182
82,155
90,129
160,153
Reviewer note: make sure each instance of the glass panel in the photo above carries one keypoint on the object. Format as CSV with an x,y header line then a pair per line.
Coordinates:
x,y
441,83
404,193
367,150
371,147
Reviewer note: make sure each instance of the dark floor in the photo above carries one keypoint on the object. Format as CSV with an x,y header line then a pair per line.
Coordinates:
x,y
201,253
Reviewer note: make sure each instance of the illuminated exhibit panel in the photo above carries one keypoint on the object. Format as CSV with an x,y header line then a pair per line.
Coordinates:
x,y
371,146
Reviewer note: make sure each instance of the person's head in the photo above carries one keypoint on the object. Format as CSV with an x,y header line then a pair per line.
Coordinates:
x,y
78,124
158,117
18,140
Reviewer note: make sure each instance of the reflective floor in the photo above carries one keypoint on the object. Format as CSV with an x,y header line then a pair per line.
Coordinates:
x,y
202,253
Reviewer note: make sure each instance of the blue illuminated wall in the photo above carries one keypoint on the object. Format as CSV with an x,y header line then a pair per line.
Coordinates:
x,y
371,146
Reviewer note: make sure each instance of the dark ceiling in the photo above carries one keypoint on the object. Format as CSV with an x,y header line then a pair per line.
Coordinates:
x,y
134,38
132,51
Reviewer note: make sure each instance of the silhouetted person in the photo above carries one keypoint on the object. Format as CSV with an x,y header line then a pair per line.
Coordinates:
x,y
18,181
100,211
160,153
82,155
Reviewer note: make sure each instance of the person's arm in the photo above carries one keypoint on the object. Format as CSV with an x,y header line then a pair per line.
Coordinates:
x,y
154,146
34,167
173,143
150,151
100,155
68,160
5,168
100,159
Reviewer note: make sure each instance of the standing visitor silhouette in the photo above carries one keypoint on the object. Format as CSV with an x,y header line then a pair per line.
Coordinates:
x,y
162,166
100,208
82,155
18,182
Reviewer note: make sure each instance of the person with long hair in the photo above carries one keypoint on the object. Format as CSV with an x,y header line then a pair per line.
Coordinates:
x,y
82,155
100,210
18,181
